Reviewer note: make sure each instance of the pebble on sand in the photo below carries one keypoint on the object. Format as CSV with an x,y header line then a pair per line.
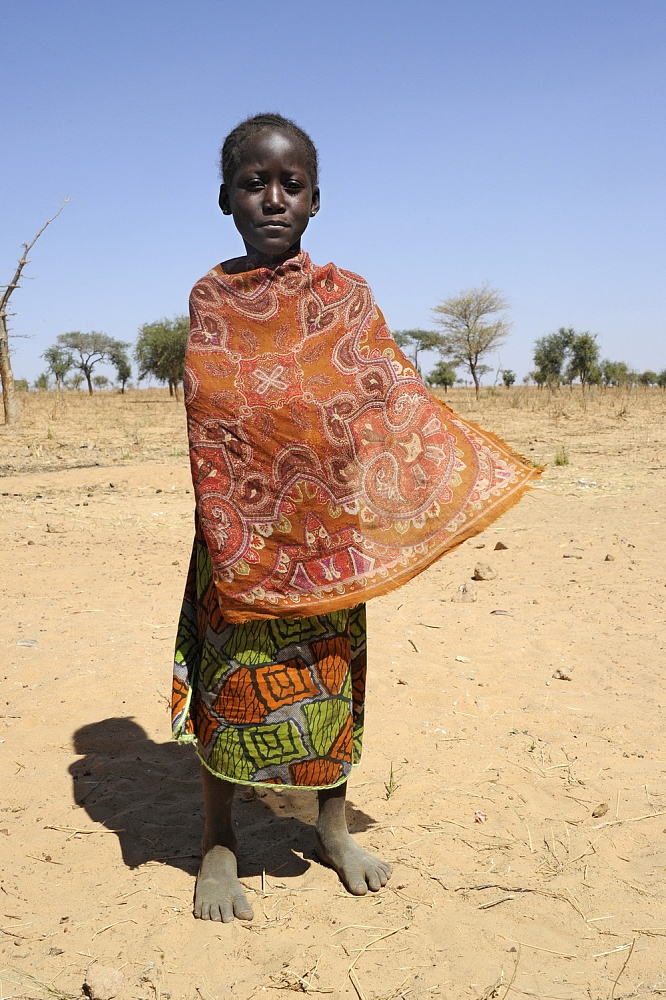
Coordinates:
x,y
103,982
499,546
483,571
561,675
465,594
609,558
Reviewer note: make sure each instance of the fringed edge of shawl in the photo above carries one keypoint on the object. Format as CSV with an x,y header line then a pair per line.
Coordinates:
x,y
323,606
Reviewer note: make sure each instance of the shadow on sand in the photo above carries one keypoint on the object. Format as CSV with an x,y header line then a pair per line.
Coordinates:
x,y
150,793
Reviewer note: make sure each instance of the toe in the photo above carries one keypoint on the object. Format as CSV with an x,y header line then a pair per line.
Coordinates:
x,y
242,908
358,888
374,882
215,912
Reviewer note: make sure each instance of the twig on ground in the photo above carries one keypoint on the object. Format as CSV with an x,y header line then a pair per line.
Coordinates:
x,y
73,830
533,947
529,835
513,977
495,902
353,978
127,920
395,930
632,819
626,963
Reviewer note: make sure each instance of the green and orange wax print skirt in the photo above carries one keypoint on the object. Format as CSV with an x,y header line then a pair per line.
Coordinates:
x,y
276,701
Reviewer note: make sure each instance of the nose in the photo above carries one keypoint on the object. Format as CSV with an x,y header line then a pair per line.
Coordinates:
x,y
273,201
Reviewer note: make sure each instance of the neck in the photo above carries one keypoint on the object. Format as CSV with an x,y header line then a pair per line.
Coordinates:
x,y
255,258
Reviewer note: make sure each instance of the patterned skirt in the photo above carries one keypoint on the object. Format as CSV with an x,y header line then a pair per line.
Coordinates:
x,y
277,701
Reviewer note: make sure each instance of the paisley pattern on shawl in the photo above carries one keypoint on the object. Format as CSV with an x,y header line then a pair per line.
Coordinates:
x,y
324,471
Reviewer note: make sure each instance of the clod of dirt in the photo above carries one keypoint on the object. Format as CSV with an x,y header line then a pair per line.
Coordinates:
x,y
480,816
463,659
402,682
55,527
609,558
561,675
499,546
103,982
570,555
482,571
465,594
601,810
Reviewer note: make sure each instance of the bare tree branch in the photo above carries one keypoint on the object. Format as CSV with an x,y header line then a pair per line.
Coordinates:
x,y
6,374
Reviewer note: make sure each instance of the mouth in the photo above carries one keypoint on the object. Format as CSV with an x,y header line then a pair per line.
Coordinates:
x,y
273,224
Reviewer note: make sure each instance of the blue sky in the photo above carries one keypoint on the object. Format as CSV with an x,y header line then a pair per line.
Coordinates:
x,y
518,142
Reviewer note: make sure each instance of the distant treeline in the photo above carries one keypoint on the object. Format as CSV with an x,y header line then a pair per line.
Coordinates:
x,y
566,356
159,353
560,358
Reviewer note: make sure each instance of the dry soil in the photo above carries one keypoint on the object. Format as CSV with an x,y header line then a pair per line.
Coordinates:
x,y
514,768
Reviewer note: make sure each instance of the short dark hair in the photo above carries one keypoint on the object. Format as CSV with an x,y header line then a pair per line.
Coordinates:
x,y
231,155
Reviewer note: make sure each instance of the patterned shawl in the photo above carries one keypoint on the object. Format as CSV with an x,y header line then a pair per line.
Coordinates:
x,y
324,471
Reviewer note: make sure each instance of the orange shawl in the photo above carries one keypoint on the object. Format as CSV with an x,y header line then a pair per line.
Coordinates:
x,y
324,471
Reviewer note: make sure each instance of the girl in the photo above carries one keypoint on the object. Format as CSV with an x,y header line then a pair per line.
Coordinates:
x,y
324,474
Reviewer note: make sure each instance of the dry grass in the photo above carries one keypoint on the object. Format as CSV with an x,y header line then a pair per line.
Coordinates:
x,y
542,424
71,429
61,430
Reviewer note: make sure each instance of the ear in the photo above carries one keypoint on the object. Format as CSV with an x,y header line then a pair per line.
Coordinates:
x,y
316,201
223,200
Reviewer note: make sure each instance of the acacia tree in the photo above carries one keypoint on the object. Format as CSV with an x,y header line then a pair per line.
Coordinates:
x,y
6,373
418,340
121,363
59,361
550,353
584,359
508,377
473,327
89,349
616,373
160,350
442,374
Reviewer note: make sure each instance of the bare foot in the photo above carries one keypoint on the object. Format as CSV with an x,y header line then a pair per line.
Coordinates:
x,y
358,870
218,894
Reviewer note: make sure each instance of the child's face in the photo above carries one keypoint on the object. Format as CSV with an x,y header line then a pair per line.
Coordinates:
x,y
271,196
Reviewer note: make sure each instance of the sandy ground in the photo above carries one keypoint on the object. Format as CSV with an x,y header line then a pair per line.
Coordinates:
x,y
514,771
